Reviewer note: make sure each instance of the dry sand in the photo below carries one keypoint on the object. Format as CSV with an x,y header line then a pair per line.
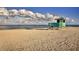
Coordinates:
x,y
66,39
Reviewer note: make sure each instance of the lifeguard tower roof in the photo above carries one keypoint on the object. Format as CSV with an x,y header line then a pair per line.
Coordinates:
x,y
61,18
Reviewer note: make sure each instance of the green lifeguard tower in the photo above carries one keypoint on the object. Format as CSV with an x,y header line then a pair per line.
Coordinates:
x,y
59,24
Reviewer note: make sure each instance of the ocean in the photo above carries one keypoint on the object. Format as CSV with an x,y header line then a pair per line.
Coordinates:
x,y
22,26
29,26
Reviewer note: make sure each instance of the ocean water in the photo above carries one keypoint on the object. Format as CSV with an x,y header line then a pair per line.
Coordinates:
x,y
22,26
72,25
29,26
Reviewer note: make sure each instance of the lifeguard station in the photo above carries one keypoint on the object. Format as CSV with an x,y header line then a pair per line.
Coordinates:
x,y
60,23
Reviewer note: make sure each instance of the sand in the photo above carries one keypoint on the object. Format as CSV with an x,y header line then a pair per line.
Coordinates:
x,y
66,39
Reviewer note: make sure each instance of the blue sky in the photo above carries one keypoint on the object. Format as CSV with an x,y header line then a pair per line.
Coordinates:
x,y
72,12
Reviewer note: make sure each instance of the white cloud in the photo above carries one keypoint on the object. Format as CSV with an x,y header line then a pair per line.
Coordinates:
x,y
38,15
48,15
35,16
67,18
26,12
22,11
30,13
13,12
72,20
56,17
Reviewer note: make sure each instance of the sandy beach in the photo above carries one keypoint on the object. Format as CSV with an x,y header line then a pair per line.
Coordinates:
x,y
66,39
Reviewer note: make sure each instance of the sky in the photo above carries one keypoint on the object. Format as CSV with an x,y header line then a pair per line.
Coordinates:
x,y
71,12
